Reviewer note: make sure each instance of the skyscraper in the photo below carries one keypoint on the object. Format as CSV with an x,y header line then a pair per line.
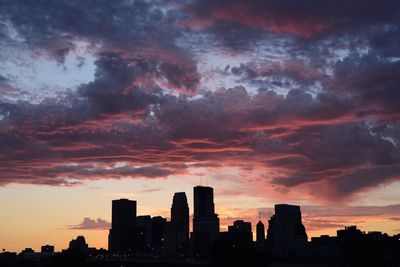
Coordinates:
x,y
176,232
286,232
122,233
205,221
180,214
203,201
260,236
260,232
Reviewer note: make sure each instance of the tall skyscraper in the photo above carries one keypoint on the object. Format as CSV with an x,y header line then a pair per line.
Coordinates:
x,y
122,233
176,232
260,235
180,214
286,232
203,201
205,221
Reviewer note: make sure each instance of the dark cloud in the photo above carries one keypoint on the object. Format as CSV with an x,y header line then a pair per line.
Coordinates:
x,y
338,155
372,81
112,90
316,103
319,142
303,19
136,29
68,174
91,224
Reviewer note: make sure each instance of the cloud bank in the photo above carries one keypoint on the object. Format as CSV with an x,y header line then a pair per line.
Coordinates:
x,y
310,95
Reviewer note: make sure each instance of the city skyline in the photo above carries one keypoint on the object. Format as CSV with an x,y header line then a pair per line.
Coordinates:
x,y
266,101
147,240
133,205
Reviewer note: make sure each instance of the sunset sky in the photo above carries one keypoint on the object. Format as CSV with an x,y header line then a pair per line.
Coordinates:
x,y
267,101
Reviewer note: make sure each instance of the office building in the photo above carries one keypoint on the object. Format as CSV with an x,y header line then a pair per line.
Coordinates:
x,y
123,233
176,232
180,215
286,232
205,221
260,236
78,244
241,234
149,234
260,232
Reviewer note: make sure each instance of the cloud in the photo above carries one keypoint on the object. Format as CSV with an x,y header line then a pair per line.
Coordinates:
x,y
139,30
91,224
312,136
311,103
68,175
302,19
150,190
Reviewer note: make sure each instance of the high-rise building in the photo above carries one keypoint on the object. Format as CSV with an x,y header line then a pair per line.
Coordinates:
x,y
205,221
286,232
176,232
180,215
260,235
158,223
122,234
143,233
203,201
149,234
241,234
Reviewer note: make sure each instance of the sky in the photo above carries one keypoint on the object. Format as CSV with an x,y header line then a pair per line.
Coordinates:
x,y
267,101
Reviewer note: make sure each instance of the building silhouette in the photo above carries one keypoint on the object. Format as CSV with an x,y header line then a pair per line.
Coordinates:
x,y
353,247
176,232
180,216
260,236
286,232
158,224
205,221
122,235
78,244
241,234
47,249
144,240
260,232
149,234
